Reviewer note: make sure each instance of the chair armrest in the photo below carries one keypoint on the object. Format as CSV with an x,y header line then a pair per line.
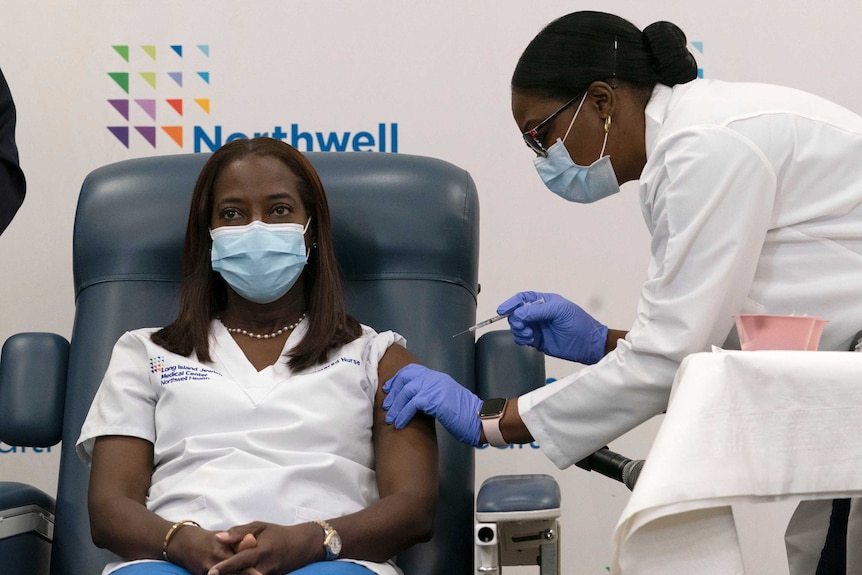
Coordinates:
x,y
518,498
26,529
24,508
33,389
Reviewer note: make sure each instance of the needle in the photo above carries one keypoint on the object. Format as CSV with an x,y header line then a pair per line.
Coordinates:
x,y
497,318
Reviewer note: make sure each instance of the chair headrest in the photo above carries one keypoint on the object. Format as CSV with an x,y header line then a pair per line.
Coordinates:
x,y
407,210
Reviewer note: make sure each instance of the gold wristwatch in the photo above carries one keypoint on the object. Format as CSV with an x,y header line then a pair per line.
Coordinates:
x,y
331,540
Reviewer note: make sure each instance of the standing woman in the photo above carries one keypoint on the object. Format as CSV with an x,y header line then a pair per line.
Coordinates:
x,y
752,195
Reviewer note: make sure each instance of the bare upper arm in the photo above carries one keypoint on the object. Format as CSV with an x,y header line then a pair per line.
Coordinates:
x,y
122,467
406,458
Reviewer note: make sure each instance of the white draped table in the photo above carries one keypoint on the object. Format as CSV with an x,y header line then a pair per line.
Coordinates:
x,y
741,427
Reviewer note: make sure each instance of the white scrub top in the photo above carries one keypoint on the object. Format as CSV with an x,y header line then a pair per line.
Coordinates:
x,y
233,445
753,197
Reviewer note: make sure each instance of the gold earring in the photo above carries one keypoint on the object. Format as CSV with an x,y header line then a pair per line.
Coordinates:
x,y
607,124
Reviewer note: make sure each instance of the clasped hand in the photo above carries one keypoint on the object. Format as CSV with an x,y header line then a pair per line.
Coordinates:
x,y
256,548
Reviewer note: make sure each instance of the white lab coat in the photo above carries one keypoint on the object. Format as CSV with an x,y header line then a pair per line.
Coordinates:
x,y
233,445
753,197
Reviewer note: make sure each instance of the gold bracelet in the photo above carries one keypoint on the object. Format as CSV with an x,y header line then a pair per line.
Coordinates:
x,y
172,531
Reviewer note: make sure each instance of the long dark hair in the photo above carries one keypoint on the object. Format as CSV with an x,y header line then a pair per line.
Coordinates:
x,y
204,292
580,48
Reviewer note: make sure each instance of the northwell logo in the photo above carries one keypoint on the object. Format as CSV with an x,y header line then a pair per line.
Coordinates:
x,y
162,94
154,91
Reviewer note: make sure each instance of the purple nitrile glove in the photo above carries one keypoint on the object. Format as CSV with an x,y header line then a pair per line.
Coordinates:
x,y
417,388
556,327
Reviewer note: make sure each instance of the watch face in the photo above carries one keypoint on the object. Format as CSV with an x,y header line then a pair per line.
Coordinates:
x,y
335,543
492,407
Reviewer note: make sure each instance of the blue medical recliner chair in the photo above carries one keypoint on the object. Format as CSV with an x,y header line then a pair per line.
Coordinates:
x,y
407,239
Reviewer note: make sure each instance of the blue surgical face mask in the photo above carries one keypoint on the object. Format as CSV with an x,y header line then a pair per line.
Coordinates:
x,y
575,183
261,262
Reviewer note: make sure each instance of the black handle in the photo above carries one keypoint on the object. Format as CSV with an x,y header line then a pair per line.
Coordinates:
x,y
613,465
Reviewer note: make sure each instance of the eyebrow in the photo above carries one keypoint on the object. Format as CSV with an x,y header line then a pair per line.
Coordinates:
x,y
270,197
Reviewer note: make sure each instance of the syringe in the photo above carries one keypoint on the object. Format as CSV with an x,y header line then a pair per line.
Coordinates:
x,y
497,318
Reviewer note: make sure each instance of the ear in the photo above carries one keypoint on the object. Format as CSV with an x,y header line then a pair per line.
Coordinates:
x,y
603,98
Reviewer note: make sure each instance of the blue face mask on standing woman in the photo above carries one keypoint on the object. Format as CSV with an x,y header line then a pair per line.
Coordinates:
x,y
261,262
572,182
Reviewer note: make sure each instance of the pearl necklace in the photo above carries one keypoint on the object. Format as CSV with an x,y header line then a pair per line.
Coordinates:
x,y
264,335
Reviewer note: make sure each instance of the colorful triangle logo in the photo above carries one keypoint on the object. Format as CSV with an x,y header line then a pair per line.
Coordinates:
x,y
122,106
121,133
151,105
149,78
148,106
149,134
176,134
122,80
123,51
176,104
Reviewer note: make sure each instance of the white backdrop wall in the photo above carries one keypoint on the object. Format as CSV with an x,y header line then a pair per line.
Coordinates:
x,y
431,78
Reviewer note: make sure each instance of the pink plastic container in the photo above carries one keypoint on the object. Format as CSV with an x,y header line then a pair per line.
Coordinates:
x,y
789,332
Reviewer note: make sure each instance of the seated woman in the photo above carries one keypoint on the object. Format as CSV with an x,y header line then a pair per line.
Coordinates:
x,y
248,436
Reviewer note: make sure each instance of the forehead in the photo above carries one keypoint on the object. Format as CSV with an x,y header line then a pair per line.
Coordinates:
x,y
528,109
252,176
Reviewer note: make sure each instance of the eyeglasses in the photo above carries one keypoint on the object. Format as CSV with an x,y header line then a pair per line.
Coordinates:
x,y
531,137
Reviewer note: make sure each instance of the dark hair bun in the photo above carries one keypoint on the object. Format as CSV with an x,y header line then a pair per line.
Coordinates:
x,y
666,44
